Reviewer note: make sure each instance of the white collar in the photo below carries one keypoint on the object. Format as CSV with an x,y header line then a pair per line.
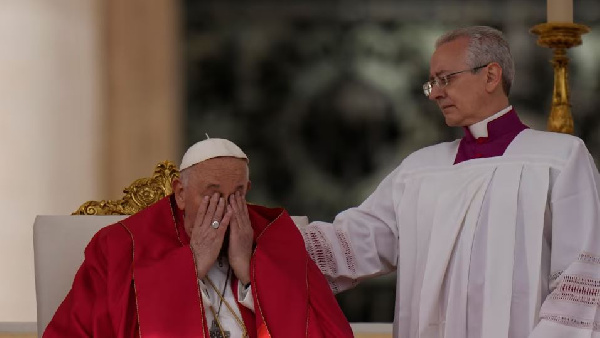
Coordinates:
x,y
479,129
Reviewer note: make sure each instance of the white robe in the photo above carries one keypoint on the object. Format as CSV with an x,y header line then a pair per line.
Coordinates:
x,y
221,276
492,247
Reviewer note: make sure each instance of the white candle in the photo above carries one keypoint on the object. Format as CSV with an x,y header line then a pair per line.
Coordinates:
x,y
559,10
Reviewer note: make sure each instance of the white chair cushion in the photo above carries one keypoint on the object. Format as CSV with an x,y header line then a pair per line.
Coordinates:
x,y
58,244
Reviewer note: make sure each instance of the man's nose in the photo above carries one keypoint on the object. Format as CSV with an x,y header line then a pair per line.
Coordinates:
x,y
436,93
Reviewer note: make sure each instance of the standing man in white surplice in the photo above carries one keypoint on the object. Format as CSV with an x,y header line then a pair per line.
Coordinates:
x,y
494,235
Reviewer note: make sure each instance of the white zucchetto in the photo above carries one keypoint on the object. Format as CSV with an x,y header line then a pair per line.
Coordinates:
x,y
210,148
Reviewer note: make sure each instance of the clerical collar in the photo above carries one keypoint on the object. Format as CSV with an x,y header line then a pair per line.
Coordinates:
x,y
501,129
480,129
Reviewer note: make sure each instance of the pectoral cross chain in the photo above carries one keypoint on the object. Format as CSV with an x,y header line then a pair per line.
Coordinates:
x,y
215,331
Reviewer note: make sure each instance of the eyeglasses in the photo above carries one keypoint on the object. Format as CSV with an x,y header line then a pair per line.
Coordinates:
x,y
443,81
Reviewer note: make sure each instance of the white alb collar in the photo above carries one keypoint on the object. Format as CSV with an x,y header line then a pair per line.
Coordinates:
x,y
479,129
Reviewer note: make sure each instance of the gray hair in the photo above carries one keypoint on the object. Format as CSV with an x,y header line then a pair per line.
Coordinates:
x,y
486,45
184,177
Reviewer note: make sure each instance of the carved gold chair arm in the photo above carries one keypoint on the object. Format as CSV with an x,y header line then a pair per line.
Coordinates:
x,y
140,194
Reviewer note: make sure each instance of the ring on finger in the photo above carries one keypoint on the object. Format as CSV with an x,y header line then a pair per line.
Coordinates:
x,y
215,224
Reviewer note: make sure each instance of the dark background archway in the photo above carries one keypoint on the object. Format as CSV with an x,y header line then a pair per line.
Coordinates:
x,y
326,96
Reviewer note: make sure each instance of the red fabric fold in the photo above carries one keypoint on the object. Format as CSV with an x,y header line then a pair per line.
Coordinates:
x,y
281,266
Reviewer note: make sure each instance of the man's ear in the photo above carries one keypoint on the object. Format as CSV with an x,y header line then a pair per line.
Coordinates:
x,y
493,77
248,186
177,187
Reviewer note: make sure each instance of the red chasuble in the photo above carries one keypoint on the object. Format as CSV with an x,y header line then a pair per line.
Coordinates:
x,y
139,279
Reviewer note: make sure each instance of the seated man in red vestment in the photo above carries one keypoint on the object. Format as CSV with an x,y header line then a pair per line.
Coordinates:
x,y
201,263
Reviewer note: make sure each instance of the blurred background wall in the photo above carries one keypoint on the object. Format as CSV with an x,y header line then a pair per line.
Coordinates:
x,y
90,99
325,97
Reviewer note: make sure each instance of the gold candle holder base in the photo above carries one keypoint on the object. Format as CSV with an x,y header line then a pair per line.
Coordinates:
x,y
559,37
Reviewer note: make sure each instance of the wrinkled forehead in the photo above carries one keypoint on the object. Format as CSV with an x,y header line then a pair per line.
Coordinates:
x,y
219,169
449,57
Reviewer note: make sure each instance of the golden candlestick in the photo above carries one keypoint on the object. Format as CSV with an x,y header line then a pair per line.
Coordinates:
x,y
560,36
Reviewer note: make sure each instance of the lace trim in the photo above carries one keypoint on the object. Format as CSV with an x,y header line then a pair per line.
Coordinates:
x,y
589,258
584,257
320,250
592,282
576,299
556,275
572,322
348,254
578,289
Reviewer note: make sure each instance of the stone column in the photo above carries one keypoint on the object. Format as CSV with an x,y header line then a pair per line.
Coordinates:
x,y
50,112
143,99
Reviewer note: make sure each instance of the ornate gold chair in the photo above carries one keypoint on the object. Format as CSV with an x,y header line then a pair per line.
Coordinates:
x,y
139,195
